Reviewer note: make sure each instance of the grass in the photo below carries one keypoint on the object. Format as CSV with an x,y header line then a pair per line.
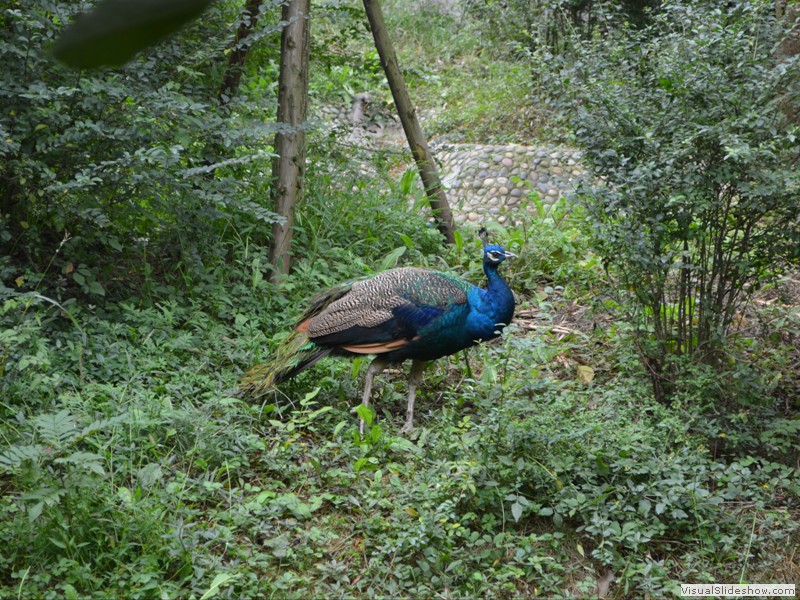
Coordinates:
x,y
467,89
471,91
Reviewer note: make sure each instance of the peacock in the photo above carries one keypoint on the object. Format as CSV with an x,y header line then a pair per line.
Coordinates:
x,y
400,314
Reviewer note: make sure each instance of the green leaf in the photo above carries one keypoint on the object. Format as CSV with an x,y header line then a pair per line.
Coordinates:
x,y
537,202
314,414
114,242
258,276
114,30
406,240
407,180
309,396
15,456
125,495
95,288
365,413
35,511
644,506
70,593
220,580
516,510
390,259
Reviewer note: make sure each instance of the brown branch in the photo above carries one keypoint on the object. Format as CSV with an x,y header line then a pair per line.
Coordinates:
x,y
408,118
239,50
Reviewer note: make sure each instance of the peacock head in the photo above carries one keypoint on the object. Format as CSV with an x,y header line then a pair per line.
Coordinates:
x,y
493,255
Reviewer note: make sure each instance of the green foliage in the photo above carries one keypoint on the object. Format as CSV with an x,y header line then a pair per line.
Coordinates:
x,y
697,205
442,53
55,479
113,163
551,24
135,470
555,248
546,455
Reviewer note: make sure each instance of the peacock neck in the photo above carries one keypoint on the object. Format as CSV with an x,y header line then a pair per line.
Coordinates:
x,y
495,283
498,293
490,308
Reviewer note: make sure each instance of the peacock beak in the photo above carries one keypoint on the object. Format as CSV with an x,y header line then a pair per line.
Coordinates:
x,y
508,254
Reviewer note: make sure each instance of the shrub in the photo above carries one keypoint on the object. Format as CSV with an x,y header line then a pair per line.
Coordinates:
x,y
696,197
100,163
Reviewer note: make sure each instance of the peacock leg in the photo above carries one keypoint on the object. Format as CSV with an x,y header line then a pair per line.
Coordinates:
x,y
417,368
376,367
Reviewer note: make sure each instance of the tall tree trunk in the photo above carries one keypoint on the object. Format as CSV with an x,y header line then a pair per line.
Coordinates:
x,y
788,15
290,142
239,50
408,117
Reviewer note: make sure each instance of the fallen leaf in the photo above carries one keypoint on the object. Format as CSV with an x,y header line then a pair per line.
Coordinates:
x,y
585,374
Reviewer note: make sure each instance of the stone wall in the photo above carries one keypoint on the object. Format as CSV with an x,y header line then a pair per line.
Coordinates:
x,y
483,182
490,182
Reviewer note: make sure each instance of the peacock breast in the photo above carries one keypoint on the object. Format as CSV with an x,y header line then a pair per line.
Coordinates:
x,y
489,313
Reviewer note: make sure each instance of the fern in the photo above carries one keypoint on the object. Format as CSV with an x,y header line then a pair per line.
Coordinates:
x,y
44,496
50,462
102,424
15,457
57,428
84,460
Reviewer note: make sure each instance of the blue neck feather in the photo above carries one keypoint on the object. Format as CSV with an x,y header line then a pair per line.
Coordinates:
x,y
490,307
498,293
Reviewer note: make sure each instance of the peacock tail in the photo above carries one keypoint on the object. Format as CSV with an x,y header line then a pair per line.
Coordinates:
x,y
294,354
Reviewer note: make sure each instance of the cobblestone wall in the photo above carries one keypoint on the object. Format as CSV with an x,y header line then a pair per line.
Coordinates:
x,y
490,182
484,182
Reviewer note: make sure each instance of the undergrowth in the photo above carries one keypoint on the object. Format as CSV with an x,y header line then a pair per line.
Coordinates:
x,y
129,466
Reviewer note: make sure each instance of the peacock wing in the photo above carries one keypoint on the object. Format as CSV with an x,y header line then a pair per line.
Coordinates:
x,y
386,311
323,300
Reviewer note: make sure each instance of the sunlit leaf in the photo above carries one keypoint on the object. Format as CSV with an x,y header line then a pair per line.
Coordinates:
x,y
585,373
220,580
516,511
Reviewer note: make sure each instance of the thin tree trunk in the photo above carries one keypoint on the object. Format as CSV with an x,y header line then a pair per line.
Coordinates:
x,y
233,74
408,117
290,147
787,14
